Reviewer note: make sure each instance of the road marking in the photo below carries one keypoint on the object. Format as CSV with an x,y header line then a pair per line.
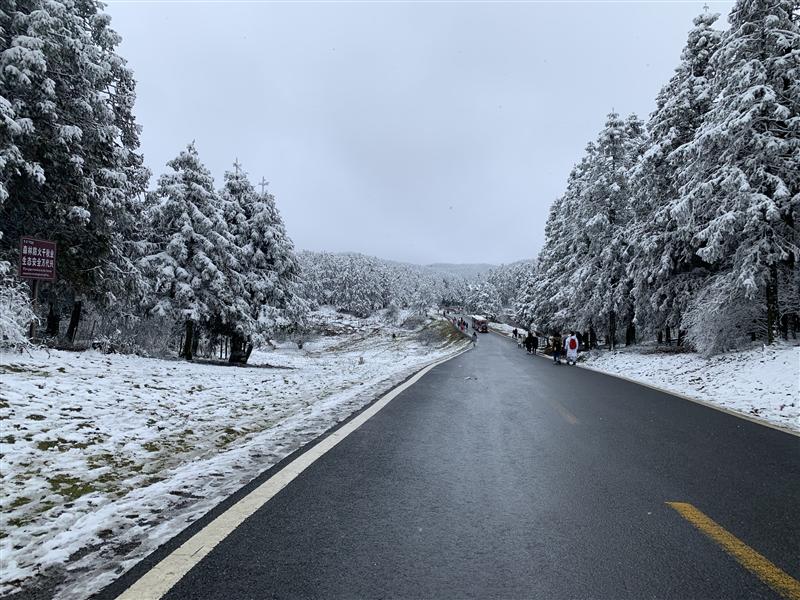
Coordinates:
x,y
780,581
161,578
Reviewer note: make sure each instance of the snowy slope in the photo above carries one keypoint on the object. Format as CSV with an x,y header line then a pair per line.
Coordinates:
x,y
104,457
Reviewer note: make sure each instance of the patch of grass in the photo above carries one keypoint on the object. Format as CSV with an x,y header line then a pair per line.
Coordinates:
x,y
229,434
8,439
5,369
64,445
48,444
119,467
151,446
21,501
4,404
36,417
441,331
71,488
155,387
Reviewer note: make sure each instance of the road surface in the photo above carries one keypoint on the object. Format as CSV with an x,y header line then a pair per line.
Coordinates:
x,y
500,475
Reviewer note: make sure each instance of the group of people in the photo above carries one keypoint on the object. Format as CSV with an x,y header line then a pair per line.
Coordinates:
x,y
569,344
530,342
460,323
566,347
463,327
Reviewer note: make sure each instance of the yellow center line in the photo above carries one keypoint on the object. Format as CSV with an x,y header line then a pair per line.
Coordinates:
x,y
780,581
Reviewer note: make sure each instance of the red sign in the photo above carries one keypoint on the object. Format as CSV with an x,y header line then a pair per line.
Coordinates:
x,y
37,259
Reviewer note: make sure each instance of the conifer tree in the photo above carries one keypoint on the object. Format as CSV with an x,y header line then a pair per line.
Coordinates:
x,y
189,248
664,267
743,187
69,166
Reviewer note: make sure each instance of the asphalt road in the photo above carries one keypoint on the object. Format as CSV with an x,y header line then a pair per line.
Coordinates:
x,y
499,475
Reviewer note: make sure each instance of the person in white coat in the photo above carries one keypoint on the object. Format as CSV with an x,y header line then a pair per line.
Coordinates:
x,y
571,348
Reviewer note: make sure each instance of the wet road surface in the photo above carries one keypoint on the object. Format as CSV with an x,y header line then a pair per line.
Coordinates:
x,y
500,475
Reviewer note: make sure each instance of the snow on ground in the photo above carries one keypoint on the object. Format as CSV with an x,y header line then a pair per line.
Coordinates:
x,y
762,383
505,329
105,457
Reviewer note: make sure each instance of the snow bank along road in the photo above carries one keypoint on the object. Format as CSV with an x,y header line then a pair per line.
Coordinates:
x,y
105,457
500,476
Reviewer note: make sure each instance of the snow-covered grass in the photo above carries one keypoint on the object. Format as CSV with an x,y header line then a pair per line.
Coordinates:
x,y
104,457
760,382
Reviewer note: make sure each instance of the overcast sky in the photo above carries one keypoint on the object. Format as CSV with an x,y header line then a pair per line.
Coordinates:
x,y
421,132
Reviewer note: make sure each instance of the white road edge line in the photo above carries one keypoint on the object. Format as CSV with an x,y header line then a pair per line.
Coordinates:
x,y
729,411
161,578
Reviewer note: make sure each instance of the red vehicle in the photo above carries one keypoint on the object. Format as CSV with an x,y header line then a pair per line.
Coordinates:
x,y
480,323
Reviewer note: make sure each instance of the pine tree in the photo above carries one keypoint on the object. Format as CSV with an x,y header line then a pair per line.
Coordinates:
x,y
274,283
664,267
604,213
483,299
69,166
743,188
190,249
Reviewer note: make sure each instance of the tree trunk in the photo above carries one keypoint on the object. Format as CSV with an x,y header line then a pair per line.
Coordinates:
x,y
592,337
53,322
612,330
247,353
772,303
668,333
74,320
630,334
188,341
660,337
681,333
237,355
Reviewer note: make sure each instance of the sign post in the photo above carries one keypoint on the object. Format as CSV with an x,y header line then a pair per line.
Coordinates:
x,y
37,262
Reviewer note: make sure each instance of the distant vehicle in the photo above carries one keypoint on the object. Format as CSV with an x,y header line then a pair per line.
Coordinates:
x,y
480,323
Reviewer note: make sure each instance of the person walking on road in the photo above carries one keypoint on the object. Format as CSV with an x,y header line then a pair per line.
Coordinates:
x,y
556,343
514,332
571,347
535,344
474,339
529,343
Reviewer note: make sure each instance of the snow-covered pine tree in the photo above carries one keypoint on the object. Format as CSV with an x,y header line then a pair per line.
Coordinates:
x,y
189,248
743,188
509,278
547,302
664,268
237,201
483,299
69,166
361,284
605,212
273,282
